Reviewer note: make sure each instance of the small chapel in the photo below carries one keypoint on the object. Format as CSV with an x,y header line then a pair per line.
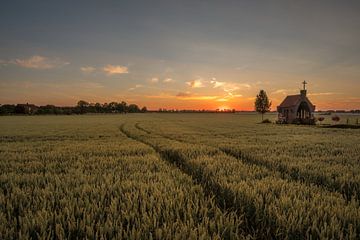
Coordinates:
x,y
297,109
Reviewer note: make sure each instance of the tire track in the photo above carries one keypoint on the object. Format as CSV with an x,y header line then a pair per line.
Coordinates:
x,y
286,173
179,162
224,197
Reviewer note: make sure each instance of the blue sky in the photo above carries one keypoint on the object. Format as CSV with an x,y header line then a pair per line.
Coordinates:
x,y
179,54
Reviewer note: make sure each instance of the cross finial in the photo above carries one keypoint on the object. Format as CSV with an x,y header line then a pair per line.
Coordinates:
x,y
304,83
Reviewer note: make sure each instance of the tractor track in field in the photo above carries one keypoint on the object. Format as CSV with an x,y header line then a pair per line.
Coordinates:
x,y
179,163
224,198
286,173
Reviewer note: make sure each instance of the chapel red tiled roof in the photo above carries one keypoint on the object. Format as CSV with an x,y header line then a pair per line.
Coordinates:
x,y
290,101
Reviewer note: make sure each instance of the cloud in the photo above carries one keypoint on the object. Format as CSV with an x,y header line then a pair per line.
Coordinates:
x,y
230,87
323,94
295,91
190,96
136,86
241,68
39,62
217,84
115,69
184,94
283,91
168,80
198,83
228,97
87,69
154,80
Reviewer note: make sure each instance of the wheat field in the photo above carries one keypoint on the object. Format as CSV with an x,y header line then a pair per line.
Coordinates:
x,y
176,176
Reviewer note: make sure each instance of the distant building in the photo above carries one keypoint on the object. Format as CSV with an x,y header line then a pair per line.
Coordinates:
x,y
297,109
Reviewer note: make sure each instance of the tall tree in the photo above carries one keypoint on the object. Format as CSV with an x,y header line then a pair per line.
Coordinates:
x,y
133,108
82,106
262,103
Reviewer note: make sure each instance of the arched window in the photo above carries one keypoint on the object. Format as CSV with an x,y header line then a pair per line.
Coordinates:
x,y
303,110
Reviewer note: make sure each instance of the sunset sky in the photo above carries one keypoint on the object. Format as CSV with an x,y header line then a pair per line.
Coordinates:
x,y
180,54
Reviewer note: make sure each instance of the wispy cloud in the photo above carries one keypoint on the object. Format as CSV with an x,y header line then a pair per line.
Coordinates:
x,y
189,96
197,83
283,91
135,87
217,84
228,97
323,94
168,80
230,87
87,69
154,80
295,91
39,62
184,94
115,69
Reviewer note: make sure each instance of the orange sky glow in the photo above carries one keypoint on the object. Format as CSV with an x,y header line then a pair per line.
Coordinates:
x,y
180,54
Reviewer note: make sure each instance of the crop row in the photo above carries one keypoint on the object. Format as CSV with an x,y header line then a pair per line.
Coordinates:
x,y
115,188
273,207
331,164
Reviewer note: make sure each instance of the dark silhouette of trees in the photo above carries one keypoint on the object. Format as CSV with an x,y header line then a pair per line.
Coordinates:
x,y
133,108
7,109
122,107
82,107
262,103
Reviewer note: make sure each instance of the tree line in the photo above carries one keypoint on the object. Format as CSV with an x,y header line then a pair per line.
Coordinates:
x,y
82,107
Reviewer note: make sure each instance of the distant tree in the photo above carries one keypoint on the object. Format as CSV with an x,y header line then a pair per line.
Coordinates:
x,y
48,109
7,109
321,119
122,107
98,108
335,118
113,107
133,108
82,106
20,109
144,109
82,103
262,103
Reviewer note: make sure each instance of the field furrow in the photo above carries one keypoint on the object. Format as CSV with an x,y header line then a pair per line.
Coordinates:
x,y
176,176
327,174
115,188
267,201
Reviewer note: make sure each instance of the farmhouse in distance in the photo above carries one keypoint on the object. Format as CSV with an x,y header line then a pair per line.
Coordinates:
x,y
297,109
